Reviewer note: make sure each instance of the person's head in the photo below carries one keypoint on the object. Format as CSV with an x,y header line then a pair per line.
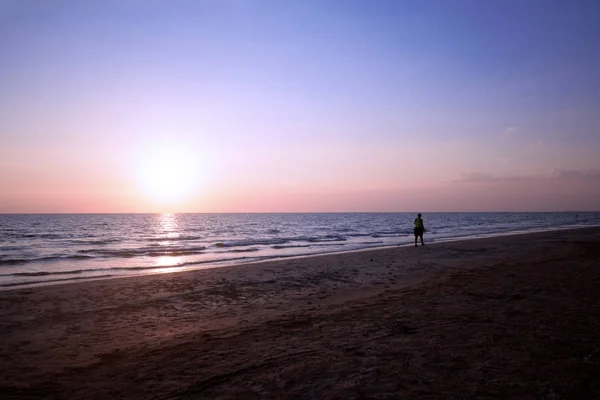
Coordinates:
x,y
419,215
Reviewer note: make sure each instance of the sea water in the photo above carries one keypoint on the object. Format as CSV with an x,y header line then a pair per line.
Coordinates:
x,y
54,248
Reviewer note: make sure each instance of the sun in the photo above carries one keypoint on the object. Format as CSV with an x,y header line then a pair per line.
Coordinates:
x,y
168,174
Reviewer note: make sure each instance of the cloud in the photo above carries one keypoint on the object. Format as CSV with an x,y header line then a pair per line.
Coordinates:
x,y
510,131
477,177
556,175
588,174
536,144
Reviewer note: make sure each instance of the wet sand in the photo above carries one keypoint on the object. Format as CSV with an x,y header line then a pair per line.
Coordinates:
x,y
507,317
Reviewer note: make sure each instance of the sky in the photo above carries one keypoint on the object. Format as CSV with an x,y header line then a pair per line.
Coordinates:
x,y
299,105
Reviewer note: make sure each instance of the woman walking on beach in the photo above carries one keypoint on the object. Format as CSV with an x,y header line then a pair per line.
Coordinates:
x,y
419,230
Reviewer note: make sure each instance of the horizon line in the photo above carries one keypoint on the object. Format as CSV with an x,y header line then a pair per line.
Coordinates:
x,y
297,212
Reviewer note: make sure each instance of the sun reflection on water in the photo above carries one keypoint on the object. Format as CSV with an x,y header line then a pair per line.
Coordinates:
x,y
169,229
168,223
168,270
168,261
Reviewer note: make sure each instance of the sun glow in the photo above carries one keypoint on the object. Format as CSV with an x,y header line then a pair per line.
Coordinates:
x,y
168,174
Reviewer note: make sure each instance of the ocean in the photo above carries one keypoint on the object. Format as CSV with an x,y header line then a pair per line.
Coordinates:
x,y
40,249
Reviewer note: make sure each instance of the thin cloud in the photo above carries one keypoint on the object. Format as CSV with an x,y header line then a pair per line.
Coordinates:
x,y
476,177
556,175
510,131
588,174
482,178
536,144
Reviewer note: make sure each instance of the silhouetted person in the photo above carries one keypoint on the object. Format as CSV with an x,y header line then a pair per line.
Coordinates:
x,y
419,230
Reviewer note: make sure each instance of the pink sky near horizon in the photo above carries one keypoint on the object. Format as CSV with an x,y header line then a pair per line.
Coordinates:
x,y
296,107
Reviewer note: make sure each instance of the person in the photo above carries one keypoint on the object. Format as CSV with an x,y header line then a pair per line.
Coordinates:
x,y
419,230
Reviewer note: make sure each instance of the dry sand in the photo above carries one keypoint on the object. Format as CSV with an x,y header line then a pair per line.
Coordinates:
x,y
508,317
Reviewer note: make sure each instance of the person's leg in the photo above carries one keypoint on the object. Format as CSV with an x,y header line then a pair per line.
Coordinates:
x,y
422,242
416,237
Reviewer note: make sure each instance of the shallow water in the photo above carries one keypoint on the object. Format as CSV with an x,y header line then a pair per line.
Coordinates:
x,y
40,248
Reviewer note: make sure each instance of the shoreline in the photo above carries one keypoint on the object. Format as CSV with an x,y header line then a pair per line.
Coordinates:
x,y
238,263
489,318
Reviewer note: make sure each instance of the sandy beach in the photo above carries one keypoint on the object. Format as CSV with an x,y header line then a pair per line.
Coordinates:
x,y
507,317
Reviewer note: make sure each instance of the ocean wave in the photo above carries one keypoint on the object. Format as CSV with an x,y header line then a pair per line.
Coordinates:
x,y
328,244
95,241
75,278
241,250
289,246
379,234
117,269
20,235
72,237
49,273
40,273
76,271
327,238
174,238
280,241
145,251
10,248
251,242
14,261
17,261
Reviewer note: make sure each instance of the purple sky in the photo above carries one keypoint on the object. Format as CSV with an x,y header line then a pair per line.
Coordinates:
x,y
290,105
